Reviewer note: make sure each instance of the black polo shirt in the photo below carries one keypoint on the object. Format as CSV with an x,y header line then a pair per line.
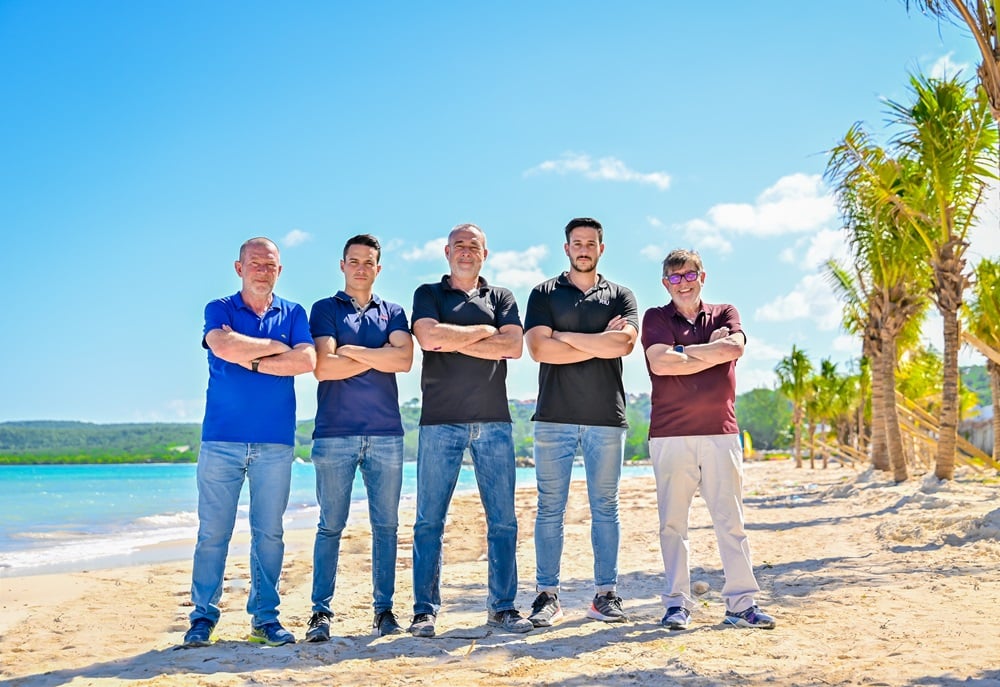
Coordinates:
x,y
590,392
458,388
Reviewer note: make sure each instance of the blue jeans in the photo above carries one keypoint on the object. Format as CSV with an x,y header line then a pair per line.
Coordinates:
x,y
439,460
223,466
336,460
555,449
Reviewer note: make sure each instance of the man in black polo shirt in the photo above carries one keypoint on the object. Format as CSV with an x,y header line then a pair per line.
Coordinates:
x,y
578,326
467,330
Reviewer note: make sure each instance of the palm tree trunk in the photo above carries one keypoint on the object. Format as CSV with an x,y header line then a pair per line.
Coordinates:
x,y
994,370
893,436
797,419
948,439
880,453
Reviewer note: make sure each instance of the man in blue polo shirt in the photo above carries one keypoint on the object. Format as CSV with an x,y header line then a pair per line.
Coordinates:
x,y
467,329
578,326
362,341
256,344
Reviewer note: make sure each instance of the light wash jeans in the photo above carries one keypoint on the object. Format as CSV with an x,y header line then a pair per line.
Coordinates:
x,y
336,460
713,464
439,460
603,450
223,466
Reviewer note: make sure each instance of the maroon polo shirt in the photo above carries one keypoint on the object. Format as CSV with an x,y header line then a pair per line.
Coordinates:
x,y
691,405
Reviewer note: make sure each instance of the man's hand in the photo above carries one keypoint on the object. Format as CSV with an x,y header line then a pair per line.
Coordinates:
x,y
720,333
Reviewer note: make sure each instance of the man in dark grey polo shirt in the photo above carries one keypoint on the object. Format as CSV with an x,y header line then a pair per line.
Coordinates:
x,y
467,329
578,326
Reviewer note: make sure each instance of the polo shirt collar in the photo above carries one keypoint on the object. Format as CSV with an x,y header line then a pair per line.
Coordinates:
x,y
240,303
671,310
346,298
563,280
446,283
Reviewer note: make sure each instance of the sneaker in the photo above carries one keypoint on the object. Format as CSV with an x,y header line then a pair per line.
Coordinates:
x,y
546,611
385,623
422,625
676,618
752,617
199,634
319,627
607,607
510,620
271,634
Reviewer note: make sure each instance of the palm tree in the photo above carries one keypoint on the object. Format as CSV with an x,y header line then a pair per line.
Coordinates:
x,y
980,16
793,381
895,277
982,315
829,402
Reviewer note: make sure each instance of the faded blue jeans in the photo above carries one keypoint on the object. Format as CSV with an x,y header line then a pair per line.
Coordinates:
x,y
336,460
556,447
223,466
439,460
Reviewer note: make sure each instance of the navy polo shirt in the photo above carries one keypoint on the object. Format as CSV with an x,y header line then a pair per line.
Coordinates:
x,y
366,404
459,388
242,405
590,392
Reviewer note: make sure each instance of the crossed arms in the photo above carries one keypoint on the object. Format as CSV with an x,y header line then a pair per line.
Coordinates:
x,y
276,358
476,340
348,360
562,348
722,347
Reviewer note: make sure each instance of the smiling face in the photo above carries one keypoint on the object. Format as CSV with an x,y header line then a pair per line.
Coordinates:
x,y
685,294
466,252
584,249
259,266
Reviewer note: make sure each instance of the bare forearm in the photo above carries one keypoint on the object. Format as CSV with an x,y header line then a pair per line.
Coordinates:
x,y
240,348
447,338
545,349
667,362
331,367
296,361
500,346
385,359
721,350
606,344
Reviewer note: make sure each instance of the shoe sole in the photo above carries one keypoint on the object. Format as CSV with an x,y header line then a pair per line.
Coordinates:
x,y
395,631
547,622
198,643
595,614
508,628
739,622
675,626
422,632
267,642
317,638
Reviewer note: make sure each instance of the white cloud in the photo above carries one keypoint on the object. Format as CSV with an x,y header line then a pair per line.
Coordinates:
x,y
828,243
812,298
984,237
797,203
945,68
653,252
758,350
432,250
604,169
750,377
515,269
847,343
296,237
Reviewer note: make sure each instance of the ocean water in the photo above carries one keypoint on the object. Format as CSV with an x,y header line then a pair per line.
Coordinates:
x,y
73,517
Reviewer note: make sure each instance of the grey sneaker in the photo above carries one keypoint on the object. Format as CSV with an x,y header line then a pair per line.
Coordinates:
x,y
319,627
385,623
752,617
546,611
199,634
607,607
422,625
676,618
510,620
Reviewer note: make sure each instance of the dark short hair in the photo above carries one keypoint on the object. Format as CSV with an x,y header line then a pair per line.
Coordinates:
x,y
364,240
585,222
680,257
257,240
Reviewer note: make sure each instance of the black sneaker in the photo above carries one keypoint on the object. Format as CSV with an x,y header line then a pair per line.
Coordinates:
x,y
546,611
319,627
422,625
385,623
199,634
607,607
510,620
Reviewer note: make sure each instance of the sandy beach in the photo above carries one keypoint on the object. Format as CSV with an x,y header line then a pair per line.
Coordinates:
x,y
871,583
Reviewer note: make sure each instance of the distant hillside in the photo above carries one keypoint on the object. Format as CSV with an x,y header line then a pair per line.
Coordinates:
x,y
47,441
977,379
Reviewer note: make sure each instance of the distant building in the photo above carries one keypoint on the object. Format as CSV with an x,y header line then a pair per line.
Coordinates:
x,y
978,430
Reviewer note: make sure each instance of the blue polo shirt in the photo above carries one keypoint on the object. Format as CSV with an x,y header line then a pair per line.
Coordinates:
x,y
242,405
366,404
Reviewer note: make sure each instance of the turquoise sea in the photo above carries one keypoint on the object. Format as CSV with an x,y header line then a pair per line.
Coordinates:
x,y
75,517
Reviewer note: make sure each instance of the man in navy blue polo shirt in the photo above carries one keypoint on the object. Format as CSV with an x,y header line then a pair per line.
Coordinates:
x,y
468,330
257,342
362,341
578,326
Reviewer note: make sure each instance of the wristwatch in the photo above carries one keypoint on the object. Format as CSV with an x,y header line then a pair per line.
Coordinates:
x,y
678,348
254,364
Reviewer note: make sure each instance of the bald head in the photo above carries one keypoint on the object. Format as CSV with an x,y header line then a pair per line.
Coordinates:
x,y
258,241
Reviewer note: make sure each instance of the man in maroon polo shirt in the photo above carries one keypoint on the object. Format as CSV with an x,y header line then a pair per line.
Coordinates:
x,y
691,353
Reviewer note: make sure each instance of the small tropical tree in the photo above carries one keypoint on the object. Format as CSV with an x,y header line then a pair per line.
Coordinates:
x,y
793,373
982,316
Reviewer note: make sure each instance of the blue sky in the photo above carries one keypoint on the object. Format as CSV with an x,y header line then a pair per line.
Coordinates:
x,y
143,142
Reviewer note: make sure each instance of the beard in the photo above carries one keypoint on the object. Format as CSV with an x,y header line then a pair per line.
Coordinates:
x,y
585,267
